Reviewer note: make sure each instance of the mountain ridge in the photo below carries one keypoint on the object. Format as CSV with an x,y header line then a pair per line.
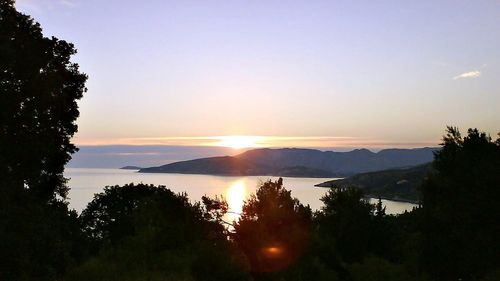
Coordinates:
x,y
299,162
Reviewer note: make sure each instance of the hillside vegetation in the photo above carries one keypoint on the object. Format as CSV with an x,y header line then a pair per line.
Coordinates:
x,y
394,184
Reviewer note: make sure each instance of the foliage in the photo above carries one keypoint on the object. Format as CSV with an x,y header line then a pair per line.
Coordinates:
x,y
460,208
274,228
37,241
117,212
350,230
376,269
172,238
345,218
215,208
39,87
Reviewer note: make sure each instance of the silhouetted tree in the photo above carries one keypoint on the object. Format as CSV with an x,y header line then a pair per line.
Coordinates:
x,y
354,237
39,87
376,269
379,209
37,241
117,212
346,221
215,208
274,228
146,232
460,208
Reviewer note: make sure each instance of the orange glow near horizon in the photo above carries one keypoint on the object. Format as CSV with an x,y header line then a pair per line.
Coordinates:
x,y
239,142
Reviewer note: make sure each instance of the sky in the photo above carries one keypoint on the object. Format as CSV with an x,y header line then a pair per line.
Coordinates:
x,y
384,73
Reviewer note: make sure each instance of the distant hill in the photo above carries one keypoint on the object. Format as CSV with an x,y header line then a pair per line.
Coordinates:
x,y
294,162
130,168
395,184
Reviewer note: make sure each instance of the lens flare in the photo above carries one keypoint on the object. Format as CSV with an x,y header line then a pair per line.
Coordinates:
x,y
273,251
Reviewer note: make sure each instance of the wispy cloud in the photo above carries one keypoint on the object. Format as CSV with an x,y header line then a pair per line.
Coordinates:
x,y
67,3
39,6
470,74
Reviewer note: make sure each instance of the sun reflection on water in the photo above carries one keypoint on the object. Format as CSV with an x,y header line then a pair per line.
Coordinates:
x,y
235,195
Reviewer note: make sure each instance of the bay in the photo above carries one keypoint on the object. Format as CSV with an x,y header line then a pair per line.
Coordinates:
x,y
85,182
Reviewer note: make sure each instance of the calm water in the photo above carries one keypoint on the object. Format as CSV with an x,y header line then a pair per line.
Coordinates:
x,y
84,183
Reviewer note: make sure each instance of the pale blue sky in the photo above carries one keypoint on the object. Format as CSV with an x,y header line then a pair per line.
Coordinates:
x,y
376,72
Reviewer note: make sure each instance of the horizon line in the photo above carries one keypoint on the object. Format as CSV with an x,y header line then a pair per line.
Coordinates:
x,y
239,142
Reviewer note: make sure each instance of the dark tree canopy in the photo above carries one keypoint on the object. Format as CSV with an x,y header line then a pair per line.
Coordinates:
x,y
118,211
39,88
146,232
346,222
460,206
274,228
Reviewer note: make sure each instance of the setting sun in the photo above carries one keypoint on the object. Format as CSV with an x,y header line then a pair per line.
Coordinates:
x,y
238,142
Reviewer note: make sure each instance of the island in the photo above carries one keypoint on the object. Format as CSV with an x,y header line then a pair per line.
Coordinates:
x,y
130,168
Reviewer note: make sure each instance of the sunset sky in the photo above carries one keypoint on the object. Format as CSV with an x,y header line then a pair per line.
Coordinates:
x,y
384,73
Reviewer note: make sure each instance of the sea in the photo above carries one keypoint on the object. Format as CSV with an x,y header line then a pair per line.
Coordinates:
x,y
84,183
